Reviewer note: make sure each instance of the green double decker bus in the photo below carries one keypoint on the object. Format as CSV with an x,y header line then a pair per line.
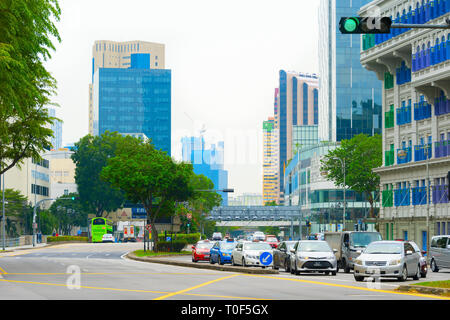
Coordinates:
x,y
99,227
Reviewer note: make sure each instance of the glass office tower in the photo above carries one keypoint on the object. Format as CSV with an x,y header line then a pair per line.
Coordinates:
x,y
349,95
137,99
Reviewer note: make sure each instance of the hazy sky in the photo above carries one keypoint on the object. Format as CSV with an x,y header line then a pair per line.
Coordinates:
x,y
224,55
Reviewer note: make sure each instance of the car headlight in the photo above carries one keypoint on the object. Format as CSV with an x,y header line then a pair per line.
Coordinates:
x,y
225,254
395,262
303,257
359,262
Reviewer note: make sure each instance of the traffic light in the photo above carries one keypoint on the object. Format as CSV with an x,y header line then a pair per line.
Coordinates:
x,y
358,25
308,223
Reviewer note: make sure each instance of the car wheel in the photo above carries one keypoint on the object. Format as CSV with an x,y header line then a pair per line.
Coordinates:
x,y
404,275
327,273
345,266
296,270
358,278
232,261
434,267
211,260
417,275
243,262
333,273
220,261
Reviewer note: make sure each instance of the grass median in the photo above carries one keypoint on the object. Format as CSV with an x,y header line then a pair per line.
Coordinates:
x,y
142,253
445,284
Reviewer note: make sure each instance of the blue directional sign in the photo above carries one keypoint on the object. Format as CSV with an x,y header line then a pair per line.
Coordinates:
x,y
265,258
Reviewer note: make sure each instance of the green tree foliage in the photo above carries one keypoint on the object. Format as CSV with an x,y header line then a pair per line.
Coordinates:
x,y
362,153
15,208
91,156
149,177
26,29
69,213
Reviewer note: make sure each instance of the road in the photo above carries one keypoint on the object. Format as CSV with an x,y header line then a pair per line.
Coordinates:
x,y
50,273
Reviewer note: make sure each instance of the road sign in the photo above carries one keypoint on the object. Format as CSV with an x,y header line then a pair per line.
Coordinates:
x,y
265,258
148,227
189,215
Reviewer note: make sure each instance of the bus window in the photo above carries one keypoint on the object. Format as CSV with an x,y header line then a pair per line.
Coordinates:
x,y
98,221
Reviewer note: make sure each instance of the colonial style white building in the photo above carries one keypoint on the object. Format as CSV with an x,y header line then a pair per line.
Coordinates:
x,y
414,65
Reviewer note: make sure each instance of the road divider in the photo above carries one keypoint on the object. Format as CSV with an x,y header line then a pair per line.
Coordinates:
x,y
197,265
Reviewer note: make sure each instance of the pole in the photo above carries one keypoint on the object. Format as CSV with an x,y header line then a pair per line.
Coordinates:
x,y
343,218
428,205
3,212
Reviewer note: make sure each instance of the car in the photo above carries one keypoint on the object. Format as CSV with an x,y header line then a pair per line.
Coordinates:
x,y
392,259
258,235
221,251
313,256
201,250
248,253
440,252
282,255
217,236
108,238
423,259
272,240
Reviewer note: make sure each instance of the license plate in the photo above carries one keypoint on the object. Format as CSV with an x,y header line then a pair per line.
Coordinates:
x,y
317,264
206,256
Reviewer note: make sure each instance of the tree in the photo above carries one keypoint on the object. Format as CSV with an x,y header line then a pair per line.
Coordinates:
x,y
362,154
149,177
69,213
91,156
26,86
15,206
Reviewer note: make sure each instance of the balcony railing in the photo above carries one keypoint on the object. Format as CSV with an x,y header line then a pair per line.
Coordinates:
x,y
421,152
402,197
403,115
442,149
422,110
419,196
387,198
440,194
389,118
441,105
389,158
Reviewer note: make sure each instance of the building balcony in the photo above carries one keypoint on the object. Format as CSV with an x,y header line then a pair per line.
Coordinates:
x,y
442,149
389,158
402,197
440,194
387,198
422,110
419,196
403,115
422,152
441,105
389,118
404,155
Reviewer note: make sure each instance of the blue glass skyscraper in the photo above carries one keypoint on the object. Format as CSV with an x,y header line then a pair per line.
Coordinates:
x,y
208,162
131,93
349,95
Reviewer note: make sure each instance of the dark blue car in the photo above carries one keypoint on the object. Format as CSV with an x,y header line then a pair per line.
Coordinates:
x,y
221,252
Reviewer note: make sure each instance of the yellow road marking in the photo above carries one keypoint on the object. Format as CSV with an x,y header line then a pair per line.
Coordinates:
x,y
195,287
350,287
3,271
108,273
135,290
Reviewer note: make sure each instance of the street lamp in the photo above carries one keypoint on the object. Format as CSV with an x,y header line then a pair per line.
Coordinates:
x,y
343,168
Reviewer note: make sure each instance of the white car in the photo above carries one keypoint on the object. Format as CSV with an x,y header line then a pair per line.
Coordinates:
x,y
258,235
259,254
108,238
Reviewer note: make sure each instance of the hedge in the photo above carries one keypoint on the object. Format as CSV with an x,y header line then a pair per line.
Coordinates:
x,y
176,245
188,238
67,238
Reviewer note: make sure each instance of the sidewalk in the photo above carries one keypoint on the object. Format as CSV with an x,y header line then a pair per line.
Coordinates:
x,y
11,249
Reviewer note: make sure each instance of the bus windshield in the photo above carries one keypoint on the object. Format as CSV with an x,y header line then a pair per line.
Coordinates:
x,y
98,222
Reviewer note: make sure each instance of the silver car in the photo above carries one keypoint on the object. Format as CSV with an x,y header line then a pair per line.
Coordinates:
x,y
259,254
395,259
440,252
313,255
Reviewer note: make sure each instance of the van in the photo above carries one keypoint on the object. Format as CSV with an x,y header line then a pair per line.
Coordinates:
x,y
349,245
440,252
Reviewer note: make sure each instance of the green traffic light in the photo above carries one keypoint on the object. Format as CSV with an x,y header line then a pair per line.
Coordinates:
x,y
73,198
350,25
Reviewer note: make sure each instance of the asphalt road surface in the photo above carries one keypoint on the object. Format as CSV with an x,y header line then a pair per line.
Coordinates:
x,y
100,271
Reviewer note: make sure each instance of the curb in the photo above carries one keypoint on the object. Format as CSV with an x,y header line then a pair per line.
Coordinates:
x,y
425,290
250,270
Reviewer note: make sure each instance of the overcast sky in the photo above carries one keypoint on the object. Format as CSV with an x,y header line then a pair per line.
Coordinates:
x,y
224,55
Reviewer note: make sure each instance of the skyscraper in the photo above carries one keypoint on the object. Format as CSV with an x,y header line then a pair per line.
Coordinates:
x,y
207,161
297,105
350,96
270,162
131,91
57,131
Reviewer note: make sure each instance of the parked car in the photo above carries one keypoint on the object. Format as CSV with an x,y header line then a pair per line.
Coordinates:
x,y
272,240
200,252
423,259
252,254
349,245
440,252
221,252
396,259
108,238
282,255
217,236
313,255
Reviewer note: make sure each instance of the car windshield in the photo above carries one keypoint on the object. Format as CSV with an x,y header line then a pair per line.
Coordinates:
x,y
272,240
257,246
384,248
290,245
204,245
227,245
316,246
362,239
